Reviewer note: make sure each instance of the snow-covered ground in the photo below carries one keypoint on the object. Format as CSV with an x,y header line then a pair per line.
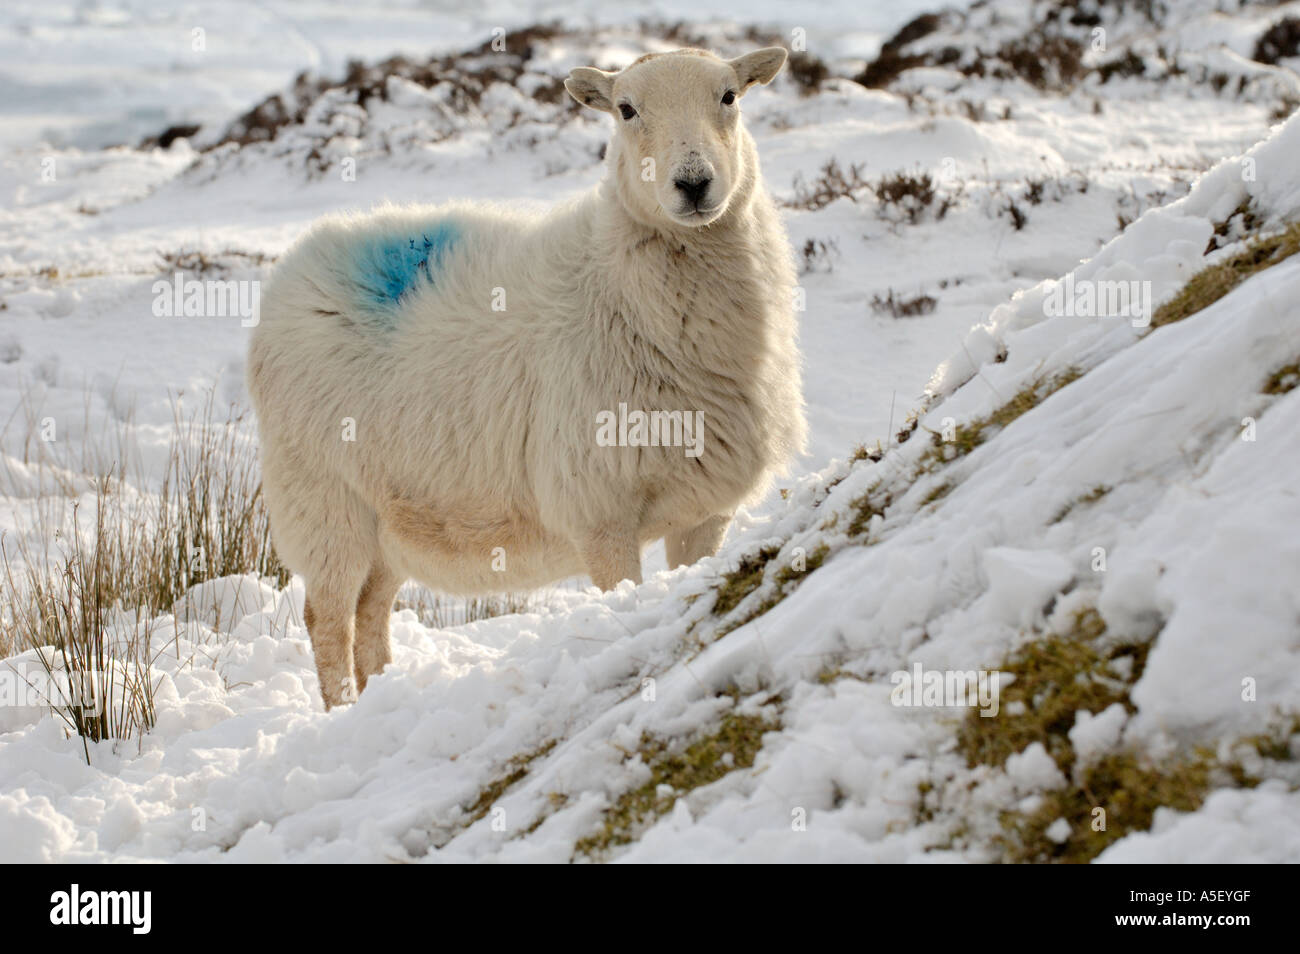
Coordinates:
x,y
517,738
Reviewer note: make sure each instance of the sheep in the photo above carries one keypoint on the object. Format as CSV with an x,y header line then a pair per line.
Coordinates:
x,y
464,394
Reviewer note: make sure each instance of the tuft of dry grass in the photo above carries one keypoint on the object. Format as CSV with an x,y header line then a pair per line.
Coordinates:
x,y
675,771
1210,284
83,591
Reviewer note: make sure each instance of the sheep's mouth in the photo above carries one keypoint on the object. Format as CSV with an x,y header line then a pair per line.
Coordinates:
x,y
697,216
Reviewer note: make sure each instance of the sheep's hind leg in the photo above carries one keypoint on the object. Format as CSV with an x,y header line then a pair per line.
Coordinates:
x,y
698,542
339,546
372,650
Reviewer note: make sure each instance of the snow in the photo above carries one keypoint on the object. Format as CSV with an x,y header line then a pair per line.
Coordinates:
x,y
1196,527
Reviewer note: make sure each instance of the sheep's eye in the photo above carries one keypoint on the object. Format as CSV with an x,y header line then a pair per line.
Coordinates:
x,y
627,111
728,97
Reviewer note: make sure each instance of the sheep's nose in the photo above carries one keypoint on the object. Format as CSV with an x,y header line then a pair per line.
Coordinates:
x,y
693,189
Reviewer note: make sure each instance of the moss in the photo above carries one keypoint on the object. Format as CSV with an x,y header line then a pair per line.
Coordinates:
x,y
516,769
1210,284
1054,679
743,580
733,745
972,434
1284,379
1125,787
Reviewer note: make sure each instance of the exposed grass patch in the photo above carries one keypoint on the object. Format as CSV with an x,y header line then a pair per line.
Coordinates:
x,y
1284,379
866,507
515,770
784,580
1210,284
1091,497
1054,679
675,771
1223,231
938,492
743,580
1124,786
901,307
970,435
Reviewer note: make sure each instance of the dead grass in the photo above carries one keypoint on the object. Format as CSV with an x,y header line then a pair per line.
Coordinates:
x,y
830,183
900,307
84,589
675,771
1210,284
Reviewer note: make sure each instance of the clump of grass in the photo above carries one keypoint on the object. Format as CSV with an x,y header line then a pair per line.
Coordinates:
x,y
85,596
1284,379
1245,211
743,580
938,492
73,603
1045,61
972,434
1090,497
211,518
873,454
1126,787
831,183
866,507
675,771
818,255
1278,42
892,61
1130,64
1210,284
783,580
515,769
808,71
901,307
909,194
1054,679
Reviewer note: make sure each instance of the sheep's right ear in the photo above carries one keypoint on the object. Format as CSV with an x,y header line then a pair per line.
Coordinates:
x,y
592,87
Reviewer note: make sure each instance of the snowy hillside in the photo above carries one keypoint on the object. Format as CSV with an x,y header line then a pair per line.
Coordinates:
x,y
1051,348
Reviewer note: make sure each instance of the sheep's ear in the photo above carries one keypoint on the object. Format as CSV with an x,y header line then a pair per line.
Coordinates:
x,y
761,66
592,87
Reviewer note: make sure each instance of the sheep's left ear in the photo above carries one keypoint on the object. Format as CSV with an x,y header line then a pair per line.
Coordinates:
x,y
761,66
592,87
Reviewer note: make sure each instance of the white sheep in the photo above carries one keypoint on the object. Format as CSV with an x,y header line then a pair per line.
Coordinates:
x,y
487,399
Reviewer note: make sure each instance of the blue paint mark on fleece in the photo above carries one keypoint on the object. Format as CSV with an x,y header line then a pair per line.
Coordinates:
x,y
388,267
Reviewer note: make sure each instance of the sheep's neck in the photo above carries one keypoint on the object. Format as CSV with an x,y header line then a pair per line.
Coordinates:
x,y
692,293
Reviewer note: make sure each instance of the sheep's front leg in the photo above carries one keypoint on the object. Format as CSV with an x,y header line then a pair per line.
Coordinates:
x,y
611,555
698,542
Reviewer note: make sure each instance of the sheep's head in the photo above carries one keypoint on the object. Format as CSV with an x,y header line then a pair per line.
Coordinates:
x,y
679,151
